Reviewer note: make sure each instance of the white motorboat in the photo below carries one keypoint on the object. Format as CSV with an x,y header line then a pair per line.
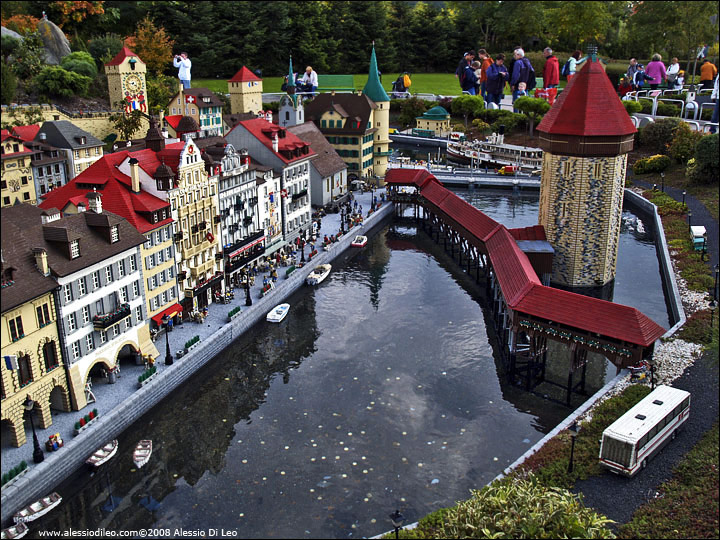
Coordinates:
x,y
102,455
318,275
359,241
142,453
278,313
16,531
38,508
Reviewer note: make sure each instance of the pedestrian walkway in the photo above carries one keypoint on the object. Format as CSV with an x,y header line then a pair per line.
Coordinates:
x,y
110,395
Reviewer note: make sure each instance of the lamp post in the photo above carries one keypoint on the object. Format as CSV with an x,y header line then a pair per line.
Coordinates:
x,y
248,299
574,430
715,287
397,520
713,306
342,220
689,220
168,356
38,455
654,187
684,193
662,180
302,249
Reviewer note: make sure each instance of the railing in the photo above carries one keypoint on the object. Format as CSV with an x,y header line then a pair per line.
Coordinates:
x,y
102,322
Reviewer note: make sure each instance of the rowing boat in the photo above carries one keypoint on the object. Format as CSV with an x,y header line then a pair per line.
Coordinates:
x,y
142,453
38,508
102,455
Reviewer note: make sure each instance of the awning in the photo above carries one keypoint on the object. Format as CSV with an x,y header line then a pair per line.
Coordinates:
x,y
244,248
170,312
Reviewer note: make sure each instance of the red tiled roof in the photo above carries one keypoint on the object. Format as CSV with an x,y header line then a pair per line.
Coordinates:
x,y
588,107
121,56
26,133
244,75
592,314
5,134
407,177
263,130
536,232
513,270
116,194
173,120
518,281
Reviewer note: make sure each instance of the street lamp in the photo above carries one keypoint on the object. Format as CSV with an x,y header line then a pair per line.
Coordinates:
x,y
302,249
713,306
342,221
38,455
684,193
654,187
715,288
689,220
574,430
248,299
662,179
168,356
397,520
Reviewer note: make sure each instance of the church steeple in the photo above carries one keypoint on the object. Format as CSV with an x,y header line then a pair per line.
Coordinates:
x,y
291,83
373,89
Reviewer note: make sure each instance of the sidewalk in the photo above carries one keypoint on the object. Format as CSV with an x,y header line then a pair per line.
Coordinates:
x,y
110,396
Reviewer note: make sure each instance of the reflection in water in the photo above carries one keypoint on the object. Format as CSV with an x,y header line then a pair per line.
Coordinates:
x,y
380,390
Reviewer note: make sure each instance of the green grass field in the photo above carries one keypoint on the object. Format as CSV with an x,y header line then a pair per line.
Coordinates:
x,y
430,83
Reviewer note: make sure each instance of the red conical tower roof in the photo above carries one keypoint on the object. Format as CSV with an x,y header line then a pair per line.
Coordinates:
x,y
244,75
588,107
122,55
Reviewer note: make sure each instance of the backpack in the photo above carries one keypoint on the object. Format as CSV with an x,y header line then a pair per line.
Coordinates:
x,y
531,81
406,81
566,69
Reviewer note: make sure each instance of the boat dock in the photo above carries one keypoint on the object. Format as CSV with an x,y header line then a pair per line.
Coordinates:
x,y
475,178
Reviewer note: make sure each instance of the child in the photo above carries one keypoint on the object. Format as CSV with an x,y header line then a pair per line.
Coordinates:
x,y
522,89
477,66
679,80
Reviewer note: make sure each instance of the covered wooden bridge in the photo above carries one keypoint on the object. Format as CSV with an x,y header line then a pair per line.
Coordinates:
x,y
526,311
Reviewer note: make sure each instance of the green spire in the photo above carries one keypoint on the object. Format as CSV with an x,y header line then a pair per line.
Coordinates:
x,y
291,84
373,89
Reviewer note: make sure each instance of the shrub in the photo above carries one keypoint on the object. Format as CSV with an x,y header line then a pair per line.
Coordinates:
x,y
683,144
653,164
481,125
658,135
9,46
411,109
8,85
80,62
467,106
515,508
632,106
54,81
704,168
30,57
103,49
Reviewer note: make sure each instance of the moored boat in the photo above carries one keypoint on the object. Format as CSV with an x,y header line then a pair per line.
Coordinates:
x,y
495,151
278,313
16,531
359,241
142,453
318,274
38,508
102,455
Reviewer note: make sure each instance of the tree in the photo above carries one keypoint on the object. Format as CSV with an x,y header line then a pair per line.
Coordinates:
x,y
74,17
152,45
160,89
104,48
22,24
126,124
80,62
533,108
54,81
8,84
576,23
30,57
467,106
410,110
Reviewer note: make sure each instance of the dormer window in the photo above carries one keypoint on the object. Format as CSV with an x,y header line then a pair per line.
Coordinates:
x,y
114,234
74,249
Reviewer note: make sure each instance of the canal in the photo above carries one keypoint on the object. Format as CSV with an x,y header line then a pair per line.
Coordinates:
x,y
380,390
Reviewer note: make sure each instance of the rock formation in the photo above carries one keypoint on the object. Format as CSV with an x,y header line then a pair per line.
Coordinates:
x,y
56,44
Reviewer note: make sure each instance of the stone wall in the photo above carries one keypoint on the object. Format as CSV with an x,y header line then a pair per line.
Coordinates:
x,y
37,481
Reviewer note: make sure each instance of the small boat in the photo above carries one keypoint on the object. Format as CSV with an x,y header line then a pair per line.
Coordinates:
x,y
278,313
318,275
38,508
142,453
359,241
102,455
17,531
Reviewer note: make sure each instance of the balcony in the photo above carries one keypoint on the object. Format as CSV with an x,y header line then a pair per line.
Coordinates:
x,y
299,194
105,321
248,220
178,237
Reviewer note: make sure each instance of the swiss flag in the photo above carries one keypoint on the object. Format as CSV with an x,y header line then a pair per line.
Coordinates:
x,y
189,99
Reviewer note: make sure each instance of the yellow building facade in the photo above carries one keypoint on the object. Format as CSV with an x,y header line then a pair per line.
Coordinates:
x,y
245,90
17,176
35,368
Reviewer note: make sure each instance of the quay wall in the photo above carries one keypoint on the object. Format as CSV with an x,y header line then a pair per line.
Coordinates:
x,y
58,466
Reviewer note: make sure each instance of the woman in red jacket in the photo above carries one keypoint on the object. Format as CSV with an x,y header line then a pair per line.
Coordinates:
x,y
551,74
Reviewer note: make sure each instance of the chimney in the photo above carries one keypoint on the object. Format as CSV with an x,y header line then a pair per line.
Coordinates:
x,y
81,207
275,145
41,261
134,175
42,137
94,202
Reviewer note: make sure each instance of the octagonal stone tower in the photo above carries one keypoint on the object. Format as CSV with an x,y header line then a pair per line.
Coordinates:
x,y
586,137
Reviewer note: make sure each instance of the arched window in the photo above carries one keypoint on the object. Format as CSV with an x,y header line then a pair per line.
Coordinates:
x,y
50,356
24,370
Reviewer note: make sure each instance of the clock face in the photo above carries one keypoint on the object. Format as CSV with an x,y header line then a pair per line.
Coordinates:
x,y
133,82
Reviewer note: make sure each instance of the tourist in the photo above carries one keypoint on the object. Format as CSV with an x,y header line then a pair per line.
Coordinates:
x,y
497,76
521,73
469,80
680,81
573,62
467,59
640,77
672,72
551,74
309,81
624,87
477,68
715,114
486,63
708,71
631,70
183,62
656,70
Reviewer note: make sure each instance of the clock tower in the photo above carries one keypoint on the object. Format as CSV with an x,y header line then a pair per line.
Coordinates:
x,y
126,81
